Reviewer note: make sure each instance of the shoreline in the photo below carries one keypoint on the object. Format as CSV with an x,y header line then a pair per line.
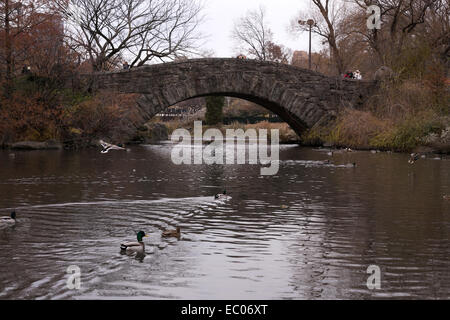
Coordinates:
x,y
24,146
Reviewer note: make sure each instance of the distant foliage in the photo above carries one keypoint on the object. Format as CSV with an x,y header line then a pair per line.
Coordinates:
x,y
214,110
103,116
29,117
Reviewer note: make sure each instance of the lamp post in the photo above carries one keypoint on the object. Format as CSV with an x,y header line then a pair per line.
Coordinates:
x,y
310,23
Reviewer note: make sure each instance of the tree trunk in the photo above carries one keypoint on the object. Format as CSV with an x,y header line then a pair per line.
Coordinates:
x,y
8,49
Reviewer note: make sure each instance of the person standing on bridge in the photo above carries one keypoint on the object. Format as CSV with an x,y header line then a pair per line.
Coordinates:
x,y
126,66
349,75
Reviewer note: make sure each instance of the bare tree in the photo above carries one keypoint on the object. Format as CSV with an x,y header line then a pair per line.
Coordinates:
x,y
140,30
17,18
437,26
252,34
400,19
328,16
278,53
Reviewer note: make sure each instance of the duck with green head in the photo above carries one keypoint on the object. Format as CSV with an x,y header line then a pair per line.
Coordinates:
x,y
8,221
138,246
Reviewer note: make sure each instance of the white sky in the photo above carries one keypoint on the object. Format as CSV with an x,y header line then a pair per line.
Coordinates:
x,y
220,16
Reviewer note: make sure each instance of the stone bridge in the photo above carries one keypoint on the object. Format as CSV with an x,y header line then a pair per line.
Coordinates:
x,y
301,97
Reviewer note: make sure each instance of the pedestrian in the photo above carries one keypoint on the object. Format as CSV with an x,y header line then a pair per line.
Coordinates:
x,y
26,69
349,75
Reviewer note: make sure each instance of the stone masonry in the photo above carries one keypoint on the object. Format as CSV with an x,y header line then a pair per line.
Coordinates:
x,y
301,97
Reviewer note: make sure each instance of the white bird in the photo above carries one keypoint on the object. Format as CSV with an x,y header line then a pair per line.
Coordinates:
x,y
221,196
8,221
108,146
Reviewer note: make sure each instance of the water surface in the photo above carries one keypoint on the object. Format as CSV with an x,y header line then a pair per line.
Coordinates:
x,y
309,232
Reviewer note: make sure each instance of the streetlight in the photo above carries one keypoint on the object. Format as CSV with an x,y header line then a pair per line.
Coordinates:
x,y
310,23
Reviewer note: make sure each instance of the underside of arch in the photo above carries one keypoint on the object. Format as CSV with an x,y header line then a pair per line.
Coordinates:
x,y
298,125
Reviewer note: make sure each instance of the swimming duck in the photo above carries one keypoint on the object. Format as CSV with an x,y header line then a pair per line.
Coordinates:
x,y
413,158
221,195
108,146
172,233
134,246
446,197
8,221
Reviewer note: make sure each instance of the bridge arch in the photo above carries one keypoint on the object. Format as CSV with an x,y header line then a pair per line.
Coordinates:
x,y
301,97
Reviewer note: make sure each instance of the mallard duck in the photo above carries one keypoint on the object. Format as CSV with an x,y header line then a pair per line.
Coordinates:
x,y
172,233
413,158
8,221
221,195
107,146
134,246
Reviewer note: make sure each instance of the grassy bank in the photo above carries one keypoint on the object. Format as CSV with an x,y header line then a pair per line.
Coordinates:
x,y
403,117
286,134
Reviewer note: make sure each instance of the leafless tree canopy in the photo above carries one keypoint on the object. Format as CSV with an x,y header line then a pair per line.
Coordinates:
x,y
252,34
136,30
407,25
16,19
328,16
406,19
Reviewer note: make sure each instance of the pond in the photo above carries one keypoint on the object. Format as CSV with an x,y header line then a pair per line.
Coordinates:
x,y
309,232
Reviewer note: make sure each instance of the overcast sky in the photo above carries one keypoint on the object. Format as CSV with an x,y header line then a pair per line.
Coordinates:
x,y
220,16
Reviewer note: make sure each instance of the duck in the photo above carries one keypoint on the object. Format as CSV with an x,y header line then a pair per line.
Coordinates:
x,y
446,197
351,165
413,158
171,233
8,221
221,195
108,146
138,246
